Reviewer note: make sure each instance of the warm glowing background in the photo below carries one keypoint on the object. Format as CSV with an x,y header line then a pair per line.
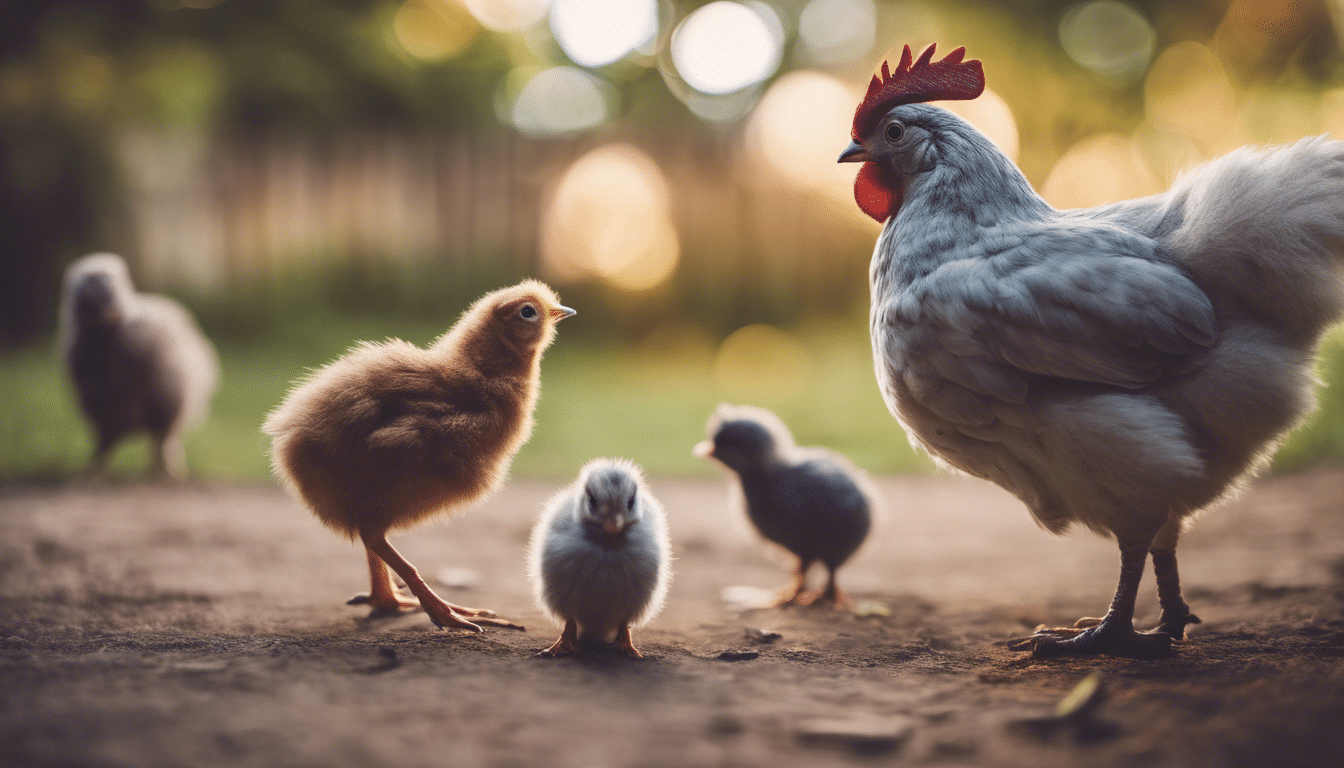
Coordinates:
x,y
307,174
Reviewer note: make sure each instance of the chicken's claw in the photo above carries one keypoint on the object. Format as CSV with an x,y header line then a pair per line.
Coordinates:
x,y
1103,638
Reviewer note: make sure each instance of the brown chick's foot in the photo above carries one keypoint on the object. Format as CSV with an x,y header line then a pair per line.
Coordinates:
x,y
392,605
1114,638
444,617
483,612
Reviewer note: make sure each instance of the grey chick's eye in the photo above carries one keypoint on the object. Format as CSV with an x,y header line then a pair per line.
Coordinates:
x,y
630,503
895,132
528,312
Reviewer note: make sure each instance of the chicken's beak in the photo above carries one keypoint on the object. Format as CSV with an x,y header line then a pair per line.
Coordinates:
x,y
560,313
854,153
703,449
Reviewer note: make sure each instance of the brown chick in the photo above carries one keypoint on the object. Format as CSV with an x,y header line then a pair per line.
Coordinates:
x,y
391,434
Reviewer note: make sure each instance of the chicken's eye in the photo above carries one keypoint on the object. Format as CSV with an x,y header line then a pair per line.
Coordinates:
x,y
528,312
895,132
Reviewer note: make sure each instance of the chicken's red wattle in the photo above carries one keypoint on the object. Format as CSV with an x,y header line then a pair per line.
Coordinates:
x,y
875,193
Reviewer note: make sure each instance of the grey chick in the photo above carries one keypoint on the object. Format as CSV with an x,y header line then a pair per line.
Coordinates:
x,y
600,559
811,501
138,361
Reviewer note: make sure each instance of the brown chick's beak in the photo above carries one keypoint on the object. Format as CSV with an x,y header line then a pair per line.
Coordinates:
x,y
560,313
854,153
703,450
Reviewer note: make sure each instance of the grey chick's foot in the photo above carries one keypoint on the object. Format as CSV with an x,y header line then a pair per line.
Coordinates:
x,y
1109,637
567,645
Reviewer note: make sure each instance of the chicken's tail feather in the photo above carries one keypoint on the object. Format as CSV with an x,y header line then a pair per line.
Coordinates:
x,y
1268,225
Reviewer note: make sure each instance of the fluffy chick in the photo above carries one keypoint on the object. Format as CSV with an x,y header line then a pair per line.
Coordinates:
x,y
811,501
600,558
138,361
391,434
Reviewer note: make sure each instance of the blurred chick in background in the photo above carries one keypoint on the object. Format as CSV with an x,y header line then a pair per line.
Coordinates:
x,y
811,501
138,361
391,434
1122,367
600,560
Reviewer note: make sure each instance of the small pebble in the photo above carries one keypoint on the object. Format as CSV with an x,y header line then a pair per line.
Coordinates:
x,y
736,655
763,636
865,608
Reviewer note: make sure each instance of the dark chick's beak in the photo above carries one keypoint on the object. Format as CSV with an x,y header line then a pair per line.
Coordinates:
x,y
854,153
560,313
703,449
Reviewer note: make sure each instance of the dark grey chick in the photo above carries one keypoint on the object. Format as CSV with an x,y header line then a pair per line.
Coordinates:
x,y
600,559
811,501
139,361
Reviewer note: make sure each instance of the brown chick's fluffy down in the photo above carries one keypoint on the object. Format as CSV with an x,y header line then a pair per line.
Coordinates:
x,y
391,434
138,361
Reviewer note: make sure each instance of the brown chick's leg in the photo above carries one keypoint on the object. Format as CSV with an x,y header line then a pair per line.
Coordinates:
x,y
383,598
567,645
1175,613
1115,634
793,593
441,613
624,643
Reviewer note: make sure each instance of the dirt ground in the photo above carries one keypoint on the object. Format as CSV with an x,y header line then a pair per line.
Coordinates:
x,y
206,625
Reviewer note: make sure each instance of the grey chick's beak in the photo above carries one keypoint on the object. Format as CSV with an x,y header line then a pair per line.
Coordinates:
x,y
854,153
560,313
703,449
613,525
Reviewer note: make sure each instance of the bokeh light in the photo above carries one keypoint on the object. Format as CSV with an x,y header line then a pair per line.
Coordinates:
x,y
1188,92
761,364
798,129
837,31
508,15
594,33
1109,38
726,46
561,100
610,217
992,116
1100,169
433,30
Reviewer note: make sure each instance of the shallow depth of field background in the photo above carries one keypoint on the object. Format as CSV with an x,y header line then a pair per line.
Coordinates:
x,y
307,174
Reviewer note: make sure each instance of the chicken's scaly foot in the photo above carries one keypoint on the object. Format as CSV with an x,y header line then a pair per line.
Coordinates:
x,y
1108,637
1174,626
445,617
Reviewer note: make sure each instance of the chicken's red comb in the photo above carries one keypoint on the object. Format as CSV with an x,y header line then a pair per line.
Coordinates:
x,y
922,80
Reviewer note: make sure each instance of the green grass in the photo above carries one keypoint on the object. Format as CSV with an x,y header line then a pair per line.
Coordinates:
x,y
647,404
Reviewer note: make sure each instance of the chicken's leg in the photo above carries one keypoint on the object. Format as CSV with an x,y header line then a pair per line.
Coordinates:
x,y
567,645
1115,632
443,614
832,594
1175,613
383,598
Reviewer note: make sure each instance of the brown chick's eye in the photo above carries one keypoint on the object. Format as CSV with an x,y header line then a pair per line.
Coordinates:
x,y
895,132
528,312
